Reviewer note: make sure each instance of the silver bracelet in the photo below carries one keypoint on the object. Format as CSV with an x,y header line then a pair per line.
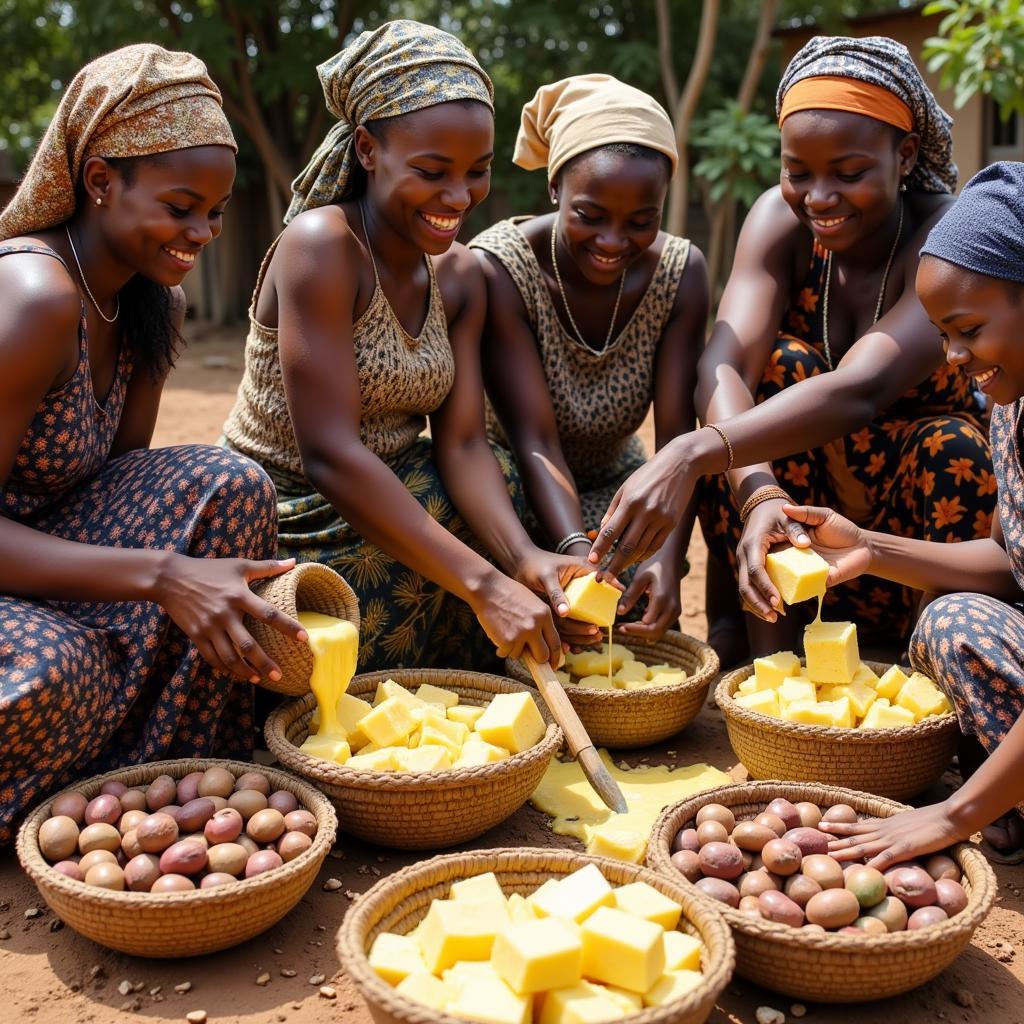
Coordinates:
x,y
569,539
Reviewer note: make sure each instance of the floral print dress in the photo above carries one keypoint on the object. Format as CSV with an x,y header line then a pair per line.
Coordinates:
x,y
86,686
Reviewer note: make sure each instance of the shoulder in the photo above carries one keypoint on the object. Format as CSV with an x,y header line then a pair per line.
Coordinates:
x,y
323,233
772,216
460,280
38,290
693,282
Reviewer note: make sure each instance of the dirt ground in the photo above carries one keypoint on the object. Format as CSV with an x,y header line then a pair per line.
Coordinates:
x,y
50,974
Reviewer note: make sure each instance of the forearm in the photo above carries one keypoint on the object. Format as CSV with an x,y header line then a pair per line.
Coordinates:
x,y
994,788
974,566
551,491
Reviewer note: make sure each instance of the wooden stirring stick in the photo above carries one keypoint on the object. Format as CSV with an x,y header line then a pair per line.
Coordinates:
x,y
576,736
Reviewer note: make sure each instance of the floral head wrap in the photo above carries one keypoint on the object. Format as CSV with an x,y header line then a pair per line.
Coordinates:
x,y
136,101
398,68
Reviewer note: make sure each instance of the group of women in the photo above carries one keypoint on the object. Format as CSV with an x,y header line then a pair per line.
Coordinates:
x,y
835,414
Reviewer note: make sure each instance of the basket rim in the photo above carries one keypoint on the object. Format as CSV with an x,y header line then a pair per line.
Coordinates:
x,y
323,771
350,939
930,727
982,879
36,867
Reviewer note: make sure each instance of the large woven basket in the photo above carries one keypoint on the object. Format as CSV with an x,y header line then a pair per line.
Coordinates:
x,y
398,903
417,810
309,587
896,763
636,718
179,924
830,968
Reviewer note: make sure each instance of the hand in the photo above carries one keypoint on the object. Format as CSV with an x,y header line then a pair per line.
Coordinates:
x,y
517,620
546,573
207,598
660,582
888,841
766,526
646,508
844,545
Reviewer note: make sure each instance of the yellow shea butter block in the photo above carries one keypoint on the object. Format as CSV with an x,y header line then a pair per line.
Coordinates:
x,y
672,985
605,840
430,735
668,678
544,892
476,752
682,951
599,682
882,715
395,957
772,669
455,731
590,663
574,897
465,714
764,702
840,712
350,710
486,998
921,696
865,674
592,601
382,760
437,695
890,682
329,747
798,573
426,989
456,930
537,955
389,723
519,909
653,671
389,688
429,758
808,712
631,1002
512,721
582,1003
620,655
632,672
747,686
644,901
795,688
831,650
483,888
860,695
622,950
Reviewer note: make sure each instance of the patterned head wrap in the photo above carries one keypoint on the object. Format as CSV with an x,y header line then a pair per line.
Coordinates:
x,y
136,101
398,68
983,230
584,112
884,62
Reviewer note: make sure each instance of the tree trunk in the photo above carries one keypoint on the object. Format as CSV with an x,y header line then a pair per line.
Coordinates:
x,y
686,107
758,55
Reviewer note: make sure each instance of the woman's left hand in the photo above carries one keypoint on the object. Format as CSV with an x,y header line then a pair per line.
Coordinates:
x,y
888,841
660,582
548,574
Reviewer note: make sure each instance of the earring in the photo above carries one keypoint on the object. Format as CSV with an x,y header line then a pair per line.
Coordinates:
x,y
903,186
99,201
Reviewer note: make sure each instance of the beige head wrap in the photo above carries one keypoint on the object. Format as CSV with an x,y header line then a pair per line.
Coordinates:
x,y
136,101
584,112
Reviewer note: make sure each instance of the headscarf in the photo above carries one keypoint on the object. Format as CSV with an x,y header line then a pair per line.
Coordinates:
x,y
882,61
398,68
136,101
983,230
569,117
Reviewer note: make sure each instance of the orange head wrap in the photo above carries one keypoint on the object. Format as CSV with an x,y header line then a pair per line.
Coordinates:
x,y
833,93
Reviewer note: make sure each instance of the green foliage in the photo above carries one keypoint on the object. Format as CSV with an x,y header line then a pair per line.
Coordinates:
x,y
739,153
980,49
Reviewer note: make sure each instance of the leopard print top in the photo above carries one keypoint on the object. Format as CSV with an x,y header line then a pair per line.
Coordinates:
x,y
401,381
600,399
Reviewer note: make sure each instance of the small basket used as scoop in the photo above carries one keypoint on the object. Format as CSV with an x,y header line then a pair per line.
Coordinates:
x,y
309,587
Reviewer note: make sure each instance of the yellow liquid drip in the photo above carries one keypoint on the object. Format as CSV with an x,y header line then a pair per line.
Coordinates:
x,y
609,651
821,598
335,646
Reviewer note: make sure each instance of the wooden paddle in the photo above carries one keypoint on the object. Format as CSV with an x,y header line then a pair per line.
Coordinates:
x,y
576,736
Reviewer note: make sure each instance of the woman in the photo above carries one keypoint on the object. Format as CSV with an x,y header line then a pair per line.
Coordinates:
x,y
121,569
971,282
823,382
593,313
366,321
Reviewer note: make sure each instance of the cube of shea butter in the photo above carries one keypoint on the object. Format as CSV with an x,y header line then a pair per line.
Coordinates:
x,y
382,760
860,695
599,682
456,930
395,957
631,1002
632,672
808,712
606,840
575,896
423,759
537,955
672,985
644,901
795,688
483,996
483,888
921,696
465,714
512,721
389,688
682,951
389,723
865,674
476,752
764,702
589,663
350,710
426,989
582,1003
883,715
772,669
329,747
437,695
622,950
668,678
798,573
890,683
831,650
519,909
592,601
620,655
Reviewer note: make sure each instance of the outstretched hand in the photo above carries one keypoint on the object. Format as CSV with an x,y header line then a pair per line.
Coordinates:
x,y
842,544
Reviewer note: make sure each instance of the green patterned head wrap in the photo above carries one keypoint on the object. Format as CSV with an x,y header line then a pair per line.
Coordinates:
x,y
398,68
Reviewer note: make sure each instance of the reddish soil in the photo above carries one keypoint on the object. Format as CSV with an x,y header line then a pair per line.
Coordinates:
x,y
51,974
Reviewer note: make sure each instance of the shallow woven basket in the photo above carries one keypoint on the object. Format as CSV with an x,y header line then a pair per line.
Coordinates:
x,y
417,810
636,718
896,763
179,924
398,903
829,968
309,587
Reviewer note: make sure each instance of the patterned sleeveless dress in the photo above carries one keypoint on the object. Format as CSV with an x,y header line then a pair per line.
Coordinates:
x,y
406,619
600,398
922,469
87,686
973,644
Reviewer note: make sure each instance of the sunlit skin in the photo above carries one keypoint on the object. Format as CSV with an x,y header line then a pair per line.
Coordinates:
x,y
607,224
978,318
424,172
153,221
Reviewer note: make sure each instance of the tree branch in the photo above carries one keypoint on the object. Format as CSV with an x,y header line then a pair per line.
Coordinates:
x,y
669,82
758,55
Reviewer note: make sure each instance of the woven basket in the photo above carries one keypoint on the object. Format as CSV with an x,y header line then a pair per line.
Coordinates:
x,y
398,903
829,968
179,924
896,763
417,810
309,587
636,718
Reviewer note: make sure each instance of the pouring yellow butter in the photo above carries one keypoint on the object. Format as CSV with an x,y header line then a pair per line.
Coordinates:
x,y
596,602
335,646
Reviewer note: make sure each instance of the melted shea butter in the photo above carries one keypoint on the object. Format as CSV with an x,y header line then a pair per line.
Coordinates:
x,y
335,646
